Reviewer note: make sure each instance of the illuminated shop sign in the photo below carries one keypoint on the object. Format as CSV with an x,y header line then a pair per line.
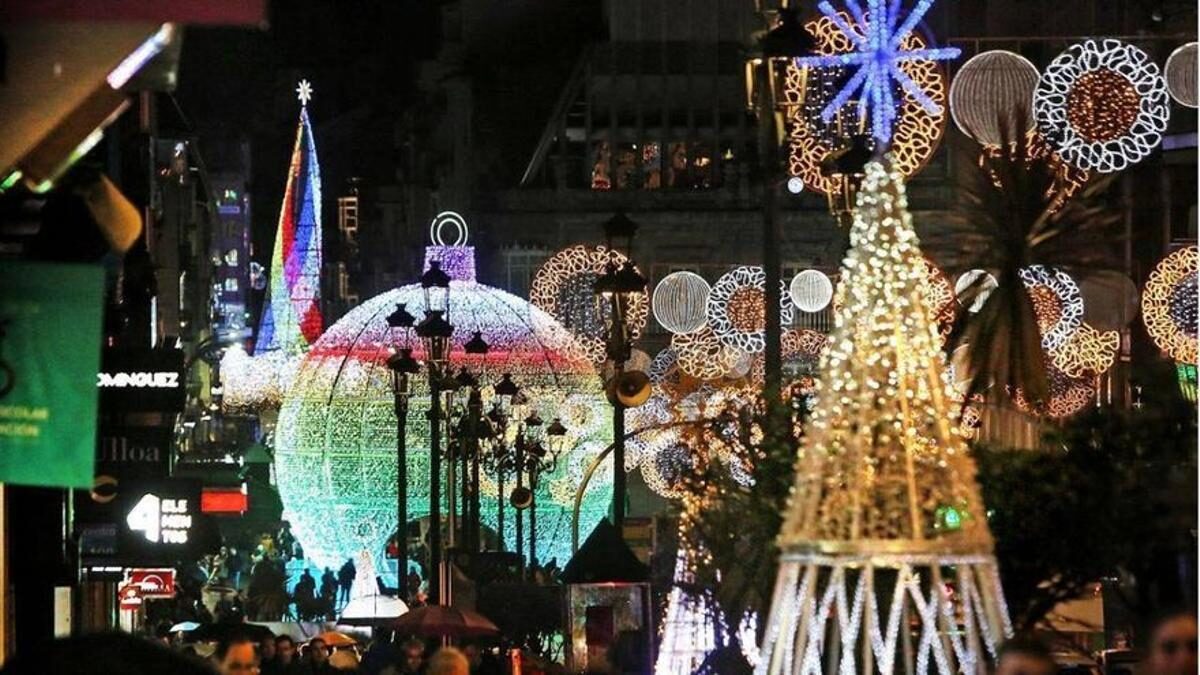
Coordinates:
x,y
166,521
142,380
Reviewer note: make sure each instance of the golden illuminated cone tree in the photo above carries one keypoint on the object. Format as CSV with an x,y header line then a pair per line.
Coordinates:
x,y
887,562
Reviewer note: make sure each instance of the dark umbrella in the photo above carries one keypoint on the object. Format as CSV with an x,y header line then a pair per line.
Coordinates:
x,y
215,632
437,620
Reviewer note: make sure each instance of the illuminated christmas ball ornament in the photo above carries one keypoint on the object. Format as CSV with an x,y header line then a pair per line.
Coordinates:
x,y
1169,304
975,285
335,441
795,185
1180,72
1056,303
737,308
991,93
1102,105
811,290
679,302
563,287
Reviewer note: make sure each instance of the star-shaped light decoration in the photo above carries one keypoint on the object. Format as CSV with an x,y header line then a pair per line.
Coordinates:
x,y
877,40
304,92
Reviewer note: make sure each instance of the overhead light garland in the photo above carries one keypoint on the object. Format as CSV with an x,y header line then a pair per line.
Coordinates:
x,y
1169,304
916,127
1102,105
737,311
1057,303
564,288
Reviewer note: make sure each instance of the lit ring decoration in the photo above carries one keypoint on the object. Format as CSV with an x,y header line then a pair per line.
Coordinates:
x,y
452,219
988,93
666,470
702,355
1180,72
1068,395
1088,353
803,344
811,290
563,288
1169,304
1102,105
679,301
1048,287
736,309
916,133
939,294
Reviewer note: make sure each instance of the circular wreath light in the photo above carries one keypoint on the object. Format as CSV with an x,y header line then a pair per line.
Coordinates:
x,y
1088,353
666,471
563,287
990,93
978,282
702,355
1057,303
940,295
1169,304
1068,395
811,290
1180,72
737,310
1102,105
916,132
679,302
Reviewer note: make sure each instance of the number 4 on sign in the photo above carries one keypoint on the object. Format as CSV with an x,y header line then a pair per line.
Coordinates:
x,y
145,516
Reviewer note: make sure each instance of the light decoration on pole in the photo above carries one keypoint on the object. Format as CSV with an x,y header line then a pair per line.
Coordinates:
x,y
990,93
879,52
1180,71
811,290
736,310
1102,105
916,128
885,494
975,286
291,316
702,355
1057,303
679,302
563,287
1169,304
336,434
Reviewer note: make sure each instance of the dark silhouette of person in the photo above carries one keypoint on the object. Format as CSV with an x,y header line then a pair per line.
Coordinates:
x,y
305,595
329,589
346,580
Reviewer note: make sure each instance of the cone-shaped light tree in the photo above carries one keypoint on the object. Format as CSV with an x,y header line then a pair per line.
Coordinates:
x,y
291,317
887,562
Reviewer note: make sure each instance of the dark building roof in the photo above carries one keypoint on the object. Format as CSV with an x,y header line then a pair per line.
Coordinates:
x,y
604,558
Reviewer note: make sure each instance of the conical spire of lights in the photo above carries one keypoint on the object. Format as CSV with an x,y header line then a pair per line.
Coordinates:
x,y
291,317
885,519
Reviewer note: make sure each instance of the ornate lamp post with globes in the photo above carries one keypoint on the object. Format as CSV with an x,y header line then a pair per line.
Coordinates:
x,y
435,331
402,365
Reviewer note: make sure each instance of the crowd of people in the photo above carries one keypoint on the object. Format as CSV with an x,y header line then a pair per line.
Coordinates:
x,y
280,655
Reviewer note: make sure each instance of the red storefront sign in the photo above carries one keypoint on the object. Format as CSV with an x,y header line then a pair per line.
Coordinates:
x,y
224,500
153,583
129,597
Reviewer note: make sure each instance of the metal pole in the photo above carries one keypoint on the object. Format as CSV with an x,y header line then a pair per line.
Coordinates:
x,y
500,507
435,485
533,520
519,542
772,234
402,495
618,504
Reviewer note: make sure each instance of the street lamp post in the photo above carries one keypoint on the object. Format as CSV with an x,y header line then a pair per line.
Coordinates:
x,y
616,288
478,428
500,460
435,331
402,365
539,460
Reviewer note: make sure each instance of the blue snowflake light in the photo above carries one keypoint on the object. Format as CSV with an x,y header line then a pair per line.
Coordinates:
x,y
878,53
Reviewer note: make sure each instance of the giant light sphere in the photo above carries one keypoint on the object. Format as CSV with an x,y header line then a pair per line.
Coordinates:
x,y
679,302
989,95
811,290
335,442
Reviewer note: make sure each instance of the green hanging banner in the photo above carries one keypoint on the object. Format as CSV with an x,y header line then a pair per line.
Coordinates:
x,y
50,334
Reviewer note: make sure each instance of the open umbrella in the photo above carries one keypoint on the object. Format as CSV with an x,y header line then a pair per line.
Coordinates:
x,y
370,610
215,632
437,620
334,639
184,627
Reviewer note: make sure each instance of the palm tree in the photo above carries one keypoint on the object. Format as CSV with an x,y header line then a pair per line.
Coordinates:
x,y
1019,205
